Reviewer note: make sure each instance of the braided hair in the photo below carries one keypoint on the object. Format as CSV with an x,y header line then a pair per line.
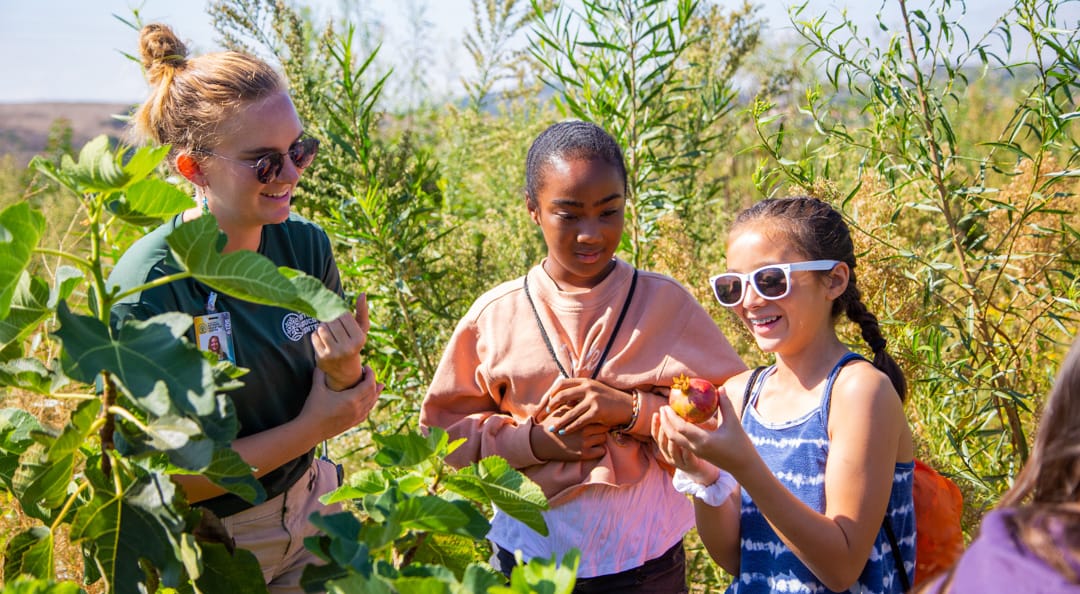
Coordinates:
x,y
570,141
818,231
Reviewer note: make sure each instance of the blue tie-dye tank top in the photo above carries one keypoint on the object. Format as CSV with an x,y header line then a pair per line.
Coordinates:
x,y
796,451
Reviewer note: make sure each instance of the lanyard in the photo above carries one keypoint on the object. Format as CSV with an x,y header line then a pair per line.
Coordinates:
x,y
611,339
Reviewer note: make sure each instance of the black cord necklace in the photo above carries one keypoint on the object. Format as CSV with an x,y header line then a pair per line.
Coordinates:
x,y
611,339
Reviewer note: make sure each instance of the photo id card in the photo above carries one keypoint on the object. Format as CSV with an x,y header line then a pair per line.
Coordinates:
x,y
213,334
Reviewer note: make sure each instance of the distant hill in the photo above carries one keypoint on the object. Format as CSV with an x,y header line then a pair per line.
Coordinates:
x,y
24,127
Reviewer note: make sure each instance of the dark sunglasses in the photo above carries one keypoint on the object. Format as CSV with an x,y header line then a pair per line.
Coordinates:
x,y
268,167
772,282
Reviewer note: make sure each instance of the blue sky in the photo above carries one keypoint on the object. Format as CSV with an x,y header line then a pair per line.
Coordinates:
x,y
70,50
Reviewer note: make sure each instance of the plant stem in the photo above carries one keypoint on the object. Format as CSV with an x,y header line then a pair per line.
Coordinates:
x,y
109,426
82,262
970,286
164,280
67,505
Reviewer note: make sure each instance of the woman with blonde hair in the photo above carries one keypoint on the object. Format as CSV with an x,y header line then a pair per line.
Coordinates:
x,y
235,135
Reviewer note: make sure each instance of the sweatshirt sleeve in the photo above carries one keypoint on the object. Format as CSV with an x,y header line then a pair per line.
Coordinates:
x,y
462,401
700,349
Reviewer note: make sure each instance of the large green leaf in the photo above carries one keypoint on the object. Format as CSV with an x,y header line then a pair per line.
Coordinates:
x,y
149,201
21,227
28,308
358,583
97,169
229,471
428,513
407,449
16,427
41,481
507,488
438,582
67,278
29,553
143,354
142,524
31,375
340,543
225,572
191,451
312,296
361,483
40,586
77,430
479,578
248,275
543,575
144,161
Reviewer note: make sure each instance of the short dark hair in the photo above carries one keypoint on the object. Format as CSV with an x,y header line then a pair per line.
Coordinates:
x,y
570,140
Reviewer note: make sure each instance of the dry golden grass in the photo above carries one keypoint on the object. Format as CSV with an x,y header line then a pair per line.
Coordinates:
x,y
51,413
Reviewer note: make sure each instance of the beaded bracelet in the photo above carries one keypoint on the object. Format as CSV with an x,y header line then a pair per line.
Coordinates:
x,y
634,414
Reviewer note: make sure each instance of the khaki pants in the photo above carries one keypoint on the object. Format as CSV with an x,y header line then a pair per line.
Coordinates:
x,y
275,529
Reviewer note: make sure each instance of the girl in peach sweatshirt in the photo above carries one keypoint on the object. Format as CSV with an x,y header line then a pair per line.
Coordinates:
x,y
558,372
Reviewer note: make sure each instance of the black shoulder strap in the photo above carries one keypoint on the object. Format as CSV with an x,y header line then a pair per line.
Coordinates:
x,y
900,570
750,386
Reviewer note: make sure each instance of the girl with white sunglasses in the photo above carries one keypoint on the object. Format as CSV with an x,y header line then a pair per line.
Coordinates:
x,y
817,443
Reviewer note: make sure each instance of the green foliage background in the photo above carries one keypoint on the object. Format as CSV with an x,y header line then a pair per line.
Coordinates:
x,y
952,153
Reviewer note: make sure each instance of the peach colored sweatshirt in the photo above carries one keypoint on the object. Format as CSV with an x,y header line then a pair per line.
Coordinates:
x,y
496,368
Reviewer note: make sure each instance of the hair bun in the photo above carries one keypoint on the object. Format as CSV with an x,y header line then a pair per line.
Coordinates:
x,y
160,50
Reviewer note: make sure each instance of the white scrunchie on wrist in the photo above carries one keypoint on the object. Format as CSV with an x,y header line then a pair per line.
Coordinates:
x,y
715,494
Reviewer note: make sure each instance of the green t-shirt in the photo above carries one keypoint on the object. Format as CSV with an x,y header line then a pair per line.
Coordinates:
x,y
271,342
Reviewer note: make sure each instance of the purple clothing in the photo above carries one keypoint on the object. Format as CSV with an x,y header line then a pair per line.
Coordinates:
x,y
996,563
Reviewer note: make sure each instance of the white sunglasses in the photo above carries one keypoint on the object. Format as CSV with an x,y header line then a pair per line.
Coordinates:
x,y
772,282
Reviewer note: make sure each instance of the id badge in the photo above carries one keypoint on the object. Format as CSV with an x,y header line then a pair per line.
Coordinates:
x,y
213,332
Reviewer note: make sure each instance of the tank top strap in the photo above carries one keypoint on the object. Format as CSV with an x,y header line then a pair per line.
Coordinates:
x,y
754,391
826,396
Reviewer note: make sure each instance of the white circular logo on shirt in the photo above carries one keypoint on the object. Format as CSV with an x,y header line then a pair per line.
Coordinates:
x,y
297,325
